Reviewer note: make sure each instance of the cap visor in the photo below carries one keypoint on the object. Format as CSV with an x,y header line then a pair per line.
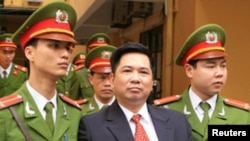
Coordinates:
x,y
210,55
57,36
102,69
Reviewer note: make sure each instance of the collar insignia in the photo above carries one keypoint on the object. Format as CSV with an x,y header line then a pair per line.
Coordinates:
x,y
185,111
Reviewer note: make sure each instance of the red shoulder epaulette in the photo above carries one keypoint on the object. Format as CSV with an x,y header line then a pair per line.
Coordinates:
x,y
10,100
79,67
238,104
70,101
21,68
166,100
81,101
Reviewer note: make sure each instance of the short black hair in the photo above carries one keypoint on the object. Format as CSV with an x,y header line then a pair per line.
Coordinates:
x,y
128,48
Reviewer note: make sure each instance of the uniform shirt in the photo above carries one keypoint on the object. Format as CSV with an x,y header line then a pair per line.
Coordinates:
x,y
195,101
8,70
41,101
100,104
145,120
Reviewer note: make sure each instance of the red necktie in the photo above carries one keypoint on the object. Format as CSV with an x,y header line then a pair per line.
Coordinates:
x,y
140,134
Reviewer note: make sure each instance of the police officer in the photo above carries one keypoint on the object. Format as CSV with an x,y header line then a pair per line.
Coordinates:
x,y
10,72
39,112
98,62
203,58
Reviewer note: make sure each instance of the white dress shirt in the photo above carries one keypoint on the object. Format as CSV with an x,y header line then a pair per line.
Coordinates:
x,y
145,120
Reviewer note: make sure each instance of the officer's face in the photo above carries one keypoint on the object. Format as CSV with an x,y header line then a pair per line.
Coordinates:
x,y
208,77
102,86
7,55
133,79
50,57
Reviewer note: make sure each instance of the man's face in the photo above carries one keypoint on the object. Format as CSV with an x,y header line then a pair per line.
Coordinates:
x,y
209,77
133,79
102,86
7,55
49,57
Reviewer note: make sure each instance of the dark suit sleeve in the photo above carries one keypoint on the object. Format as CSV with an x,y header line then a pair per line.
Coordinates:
x,y
82,132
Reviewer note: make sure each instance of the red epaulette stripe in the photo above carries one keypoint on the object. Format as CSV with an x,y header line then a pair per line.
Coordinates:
x,y
21,68
70,101
81,101
167,99
236,103
10,100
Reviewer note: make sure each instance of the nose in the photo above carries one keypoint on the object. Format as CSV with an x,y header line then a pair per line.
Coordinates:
x,y
66,54
107,81
135,77
219,71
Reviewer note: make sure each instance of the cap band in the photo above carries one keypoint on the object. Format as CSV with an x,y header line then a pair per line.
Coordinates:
x,y
45,26
4,44
201,48
99,62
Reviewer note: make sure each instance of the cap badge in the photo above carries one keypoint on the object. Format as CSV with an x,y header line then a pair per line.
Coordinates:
x,y
211,37
82,56
100,40
106,54
8,40
61,16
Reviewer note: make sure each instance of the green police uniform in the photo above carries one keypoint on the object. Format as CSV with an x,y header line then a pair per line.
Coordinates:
x,y
67,119
86,90
18,74
90,107
69,85
53,21
207,42
226,112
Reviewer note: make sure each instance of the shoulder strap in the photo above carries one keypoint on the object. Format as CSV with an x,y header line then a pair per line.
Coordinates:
x,y
70,101
166,100
10,100
21,68
81,101
20,124
238,104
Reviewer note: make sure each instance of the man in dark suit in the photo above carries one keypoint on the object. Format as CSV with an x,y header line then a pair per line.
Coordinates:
x,y
132,80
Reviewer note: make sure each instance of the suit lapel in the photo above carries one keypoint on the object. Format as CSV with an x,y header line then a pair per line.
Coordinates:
x,y
117,123
162,126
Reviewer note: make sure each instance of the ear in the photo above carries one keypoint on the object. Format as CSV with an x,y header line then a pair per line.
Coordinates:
x,y
28,51
189,70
